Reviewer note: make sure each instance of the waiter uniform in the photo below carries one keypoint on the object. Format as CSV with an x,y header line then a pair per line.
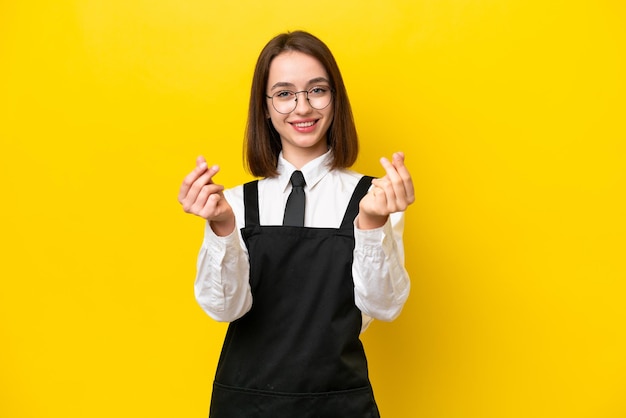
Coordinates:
x,y
296,353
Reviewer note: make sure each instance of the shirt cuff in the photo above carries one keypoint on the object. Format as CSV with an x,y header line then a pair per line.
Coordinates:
x,y
219,244
370,239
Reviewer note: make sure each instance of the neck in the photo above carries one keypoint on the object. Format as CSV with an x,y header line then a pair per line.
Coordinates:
x,y
300,157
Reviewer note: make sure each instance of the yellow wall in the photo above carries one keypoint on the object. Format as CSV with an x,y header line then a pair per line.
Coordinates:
x,y
511,113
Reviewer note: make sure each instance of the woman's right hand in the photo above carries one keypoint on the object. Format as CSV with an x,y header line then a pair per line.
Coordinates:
x,y
200,196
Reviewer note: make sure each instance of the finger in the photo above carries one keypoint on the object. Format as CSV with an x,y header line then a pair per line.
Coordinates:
x,y
381,200
190,179
382,183
375,202
396,193
390,170
211,208
384,187
401,180
194,182
402,170
206,177
201,184
204,203
207,191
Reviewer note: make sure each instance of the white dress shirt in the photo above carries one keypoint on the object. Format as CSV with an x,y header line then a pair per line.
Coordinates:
x,y
381,283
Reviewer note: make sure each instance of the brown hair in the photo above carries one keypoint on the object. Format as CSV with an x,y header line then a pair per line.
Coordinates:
x,y
262,142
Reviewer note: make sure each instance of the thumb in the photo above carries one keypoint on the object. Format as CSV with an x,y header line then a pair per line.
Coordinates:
x,y
199,160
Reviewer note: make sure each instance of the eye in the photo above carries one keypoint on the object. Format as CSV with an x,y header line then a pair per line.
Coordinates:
x,y
319,91
284,95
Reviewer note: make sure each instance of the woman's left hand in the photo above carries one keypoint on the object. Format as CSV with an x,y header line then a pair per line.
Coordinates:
x,y
391,193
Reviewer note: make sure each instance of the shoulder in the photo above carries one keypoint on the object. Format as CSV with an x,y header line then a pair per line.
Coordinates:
x,y
343,180
234,193
348,178
346,175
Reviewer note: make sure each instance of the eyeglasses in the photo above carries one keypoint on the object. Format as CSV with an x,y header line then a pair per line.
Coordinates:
x,y
286,101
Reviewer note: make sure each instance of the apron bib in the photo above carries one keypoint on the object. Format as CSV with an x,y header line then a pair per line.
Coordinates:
x,y
297,352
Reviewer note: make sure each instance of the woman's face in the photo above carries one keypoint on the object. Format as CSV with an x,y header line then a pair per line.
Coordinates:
x,y
303,130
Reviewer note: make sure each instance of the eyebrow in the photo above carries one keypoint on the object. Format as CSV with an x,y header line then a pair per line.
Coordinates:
x,y
311,81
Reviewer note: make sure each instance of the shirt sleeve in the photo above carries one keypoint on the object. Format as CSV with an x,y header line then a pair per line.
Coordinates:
x,y
381,283
222,286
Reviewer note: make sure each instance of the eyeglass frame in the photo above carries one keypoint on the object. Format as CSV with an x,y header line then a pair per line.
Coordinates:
x,y
295,94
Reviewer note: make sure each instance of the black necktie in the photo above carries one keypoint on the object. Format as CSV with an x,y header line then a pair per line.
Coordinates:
x,y
294,210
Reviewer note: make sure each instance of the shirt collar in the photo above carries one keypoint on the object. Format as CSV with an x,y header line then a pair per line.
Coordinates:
x,y
313,171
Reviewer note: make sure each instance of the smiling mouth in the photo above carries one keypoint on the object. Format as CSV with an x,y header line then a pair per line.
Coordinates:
x,y
304,124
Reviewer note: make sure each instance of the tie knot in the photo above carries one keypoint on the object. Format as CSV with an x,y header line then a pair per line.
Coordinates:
x,y
297,179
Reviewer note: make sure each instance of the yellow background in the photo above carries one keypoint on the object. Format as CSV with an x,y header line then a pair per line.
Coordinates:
x,y
511,113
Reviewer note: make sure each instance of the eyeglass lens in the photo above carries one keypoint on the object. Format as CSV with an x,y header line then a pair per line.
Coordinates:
x,y
285,101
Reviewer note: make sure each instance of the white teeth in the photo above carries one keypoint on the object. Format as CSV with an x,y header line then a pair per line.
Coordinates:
x,y
304,124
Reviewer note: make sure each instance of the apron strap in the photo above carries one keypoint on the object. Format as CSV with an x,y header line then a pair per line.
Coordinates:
x,y
251,203
353,207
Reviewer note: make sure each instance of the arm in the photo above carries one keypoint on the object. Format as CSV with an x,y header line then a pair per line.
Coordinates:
x,y
381,281
222,287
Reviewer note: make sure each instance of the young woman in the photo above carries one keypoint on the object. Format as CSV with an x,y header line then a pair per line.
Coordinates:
x,y
298,292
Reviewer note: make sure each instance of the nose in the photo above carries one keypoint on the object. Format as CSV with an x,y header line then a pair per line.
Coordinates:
x,y
302,102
